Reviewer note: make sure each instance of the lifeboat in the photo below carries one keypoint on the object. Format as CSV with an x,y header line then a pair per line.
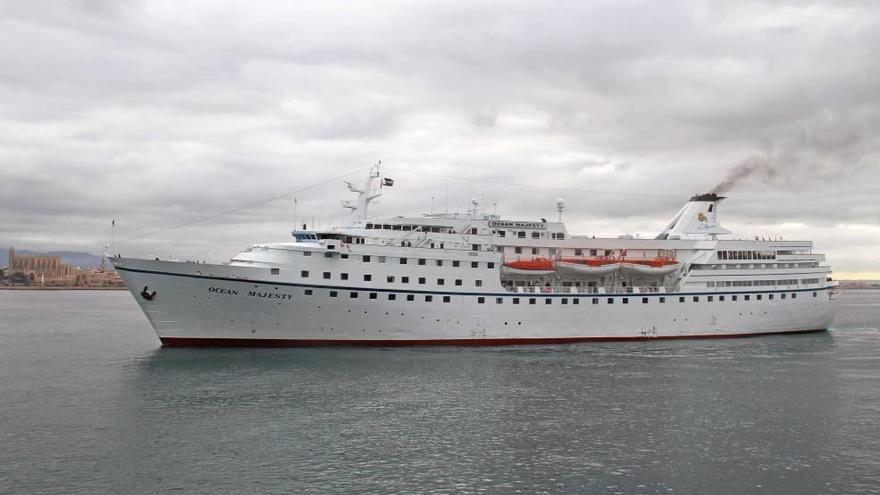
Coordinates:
x,y
650,267
535,267
586,267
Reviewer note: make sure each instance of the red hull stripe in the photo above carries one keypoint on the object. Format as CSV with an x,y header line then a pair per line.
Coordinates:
x,y
233,342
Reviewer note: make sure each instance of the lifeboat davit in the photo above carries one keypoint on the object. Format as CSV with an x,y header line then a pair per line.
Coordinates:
x,y
535,267
650,267
586,267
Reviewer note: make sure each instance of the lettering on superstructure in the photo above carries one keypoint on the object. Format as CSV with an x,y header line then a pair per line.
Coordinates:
x,y
512,224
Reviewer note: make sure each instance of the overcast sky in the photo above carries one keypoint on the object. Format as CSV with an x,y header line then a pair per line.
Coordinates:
x,y
158,113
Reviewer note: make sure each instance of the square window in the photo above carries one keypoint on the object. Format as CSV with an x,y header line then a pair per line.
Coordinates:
x,y
644,300
595,300
343,256
548,300
308,292
746,297
353,295
333,293
481,300
392,297
576,300
307,253
564,300
368,277
499,300
478,283
782,296
402,261
328,255
733,297
610,300
517,250
304,274
381,259
373,295
814,294
710,298
389,278
458,281
421,261
439,262
440,281
404,280
532,300
447,299
366,258
490,265
681,299
515,300
455,264
721,298
770,296
326,274
429,298
343,276
275,271
421,280
410,297
474,264
625,300
661,300
759,297
794,295
696,298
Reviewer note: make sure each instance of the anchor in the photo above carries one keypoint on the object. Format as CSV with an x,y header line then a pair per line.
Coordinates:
x,y
147,294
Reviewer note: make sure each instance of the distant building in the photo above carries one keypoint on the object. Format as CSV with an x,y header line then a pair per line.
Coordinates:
x,y
42,270
52,271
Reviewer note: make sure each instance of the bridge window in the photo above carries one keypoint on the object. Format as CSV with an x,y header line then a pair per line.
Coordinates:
x,y
439,262
710,298
662,300
447,299
696,298
275,271
429,298
333,293
499,300
440,281
308,292
478,283
389,279
421,261
458,282
490,265
610,300
481,300
410,297
353,295
564,301
343,276
304,273
625,300
402,261
515,300
532,300
326,274
455,264
421,280
475,264
368,277
595,300
548,301
644,300
366,258
392,297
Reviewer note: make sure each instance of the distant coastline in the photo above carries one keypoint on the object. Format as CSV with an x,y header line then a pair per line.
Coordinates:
x,y
38,287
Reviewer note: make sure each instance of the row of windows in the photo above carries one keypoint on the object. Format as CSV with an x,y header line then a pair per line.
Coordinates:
x,y
408,228
760,283
390,278
746,255
576,300
367,258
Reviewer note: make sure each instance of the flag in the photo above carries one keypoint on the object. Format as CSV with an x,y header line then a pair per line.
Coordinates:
x,y
386,181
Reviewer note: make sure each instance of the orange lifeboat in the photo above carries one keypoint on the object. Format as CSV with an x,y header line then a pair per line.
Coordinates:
x,y
534,267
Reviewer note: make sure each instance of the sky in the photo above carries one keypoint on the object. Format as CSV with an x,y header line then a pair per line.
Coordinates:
x,y
165,113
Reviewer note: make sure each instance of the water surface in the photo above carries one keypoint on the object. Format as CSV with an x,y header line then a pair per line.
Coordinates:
x,y
89,403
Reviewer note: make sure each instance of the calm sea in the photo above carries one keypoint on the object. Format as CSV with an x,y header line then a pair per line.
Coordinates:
x,y
89,403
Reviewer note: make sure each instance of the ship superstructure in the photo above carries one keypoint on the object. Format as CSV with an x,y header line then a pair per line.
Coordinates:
x,y
478,279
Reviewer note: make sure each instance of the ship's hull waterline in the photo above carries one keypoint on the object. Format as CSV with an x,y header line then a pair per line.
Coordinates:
x,y
191,304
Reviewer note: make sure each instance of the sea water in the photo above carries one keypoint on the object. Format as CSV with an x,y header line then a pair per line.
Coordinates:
x,y
89,403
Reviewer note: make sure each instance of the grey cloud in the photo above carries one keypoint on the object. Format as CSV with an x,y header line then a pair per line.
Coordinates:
x,y
157,113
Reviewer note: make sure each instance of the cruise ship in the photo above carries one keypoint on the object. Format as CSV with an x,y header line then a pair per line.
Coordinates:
x,y
478,279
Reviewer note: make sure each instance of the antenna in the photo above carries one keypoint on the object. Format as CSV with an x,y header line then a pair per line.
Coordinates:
x,y
560,207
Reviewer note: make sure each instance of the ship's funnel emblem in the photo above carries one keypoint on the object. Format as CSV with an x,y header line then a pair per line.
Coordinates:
x,y
147,294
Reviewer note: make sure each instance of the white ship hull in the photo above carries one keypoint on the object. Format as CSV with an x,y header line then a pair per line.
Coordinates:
x,y
199,304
